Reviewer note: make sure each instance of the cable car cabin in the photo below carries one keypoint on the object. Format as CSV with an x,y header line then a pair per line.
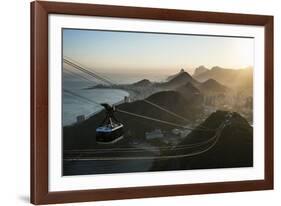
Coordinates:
x,y
110,133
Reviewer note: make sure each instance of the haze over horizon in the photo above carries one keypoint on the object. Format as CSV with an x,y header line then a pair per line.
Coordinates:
x,y
114,52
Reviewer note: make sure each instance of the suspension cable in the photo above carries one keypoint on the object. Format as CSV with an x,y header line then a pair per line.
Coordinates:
x,y
90,73
81,97
161,121
87,68
74,74
124,149
216,138
166,110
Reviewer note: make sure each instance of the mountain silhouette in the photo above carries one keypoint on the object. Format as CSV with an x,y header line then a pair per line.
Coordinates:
x,y
174,75
211,86
179,80
239,79
199,70
142,83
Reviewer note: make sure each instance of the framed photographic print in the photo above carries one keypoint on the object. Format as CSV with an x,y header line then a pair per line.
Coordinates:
x,y
131,102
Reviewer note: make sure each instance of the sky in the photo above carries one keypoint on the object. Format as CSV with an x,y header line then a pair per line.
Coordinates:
x,y
137,52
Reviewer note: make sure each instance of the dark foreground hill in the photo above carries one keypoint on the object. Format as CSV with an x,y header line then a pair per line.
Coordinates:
x,y
81,136
233,149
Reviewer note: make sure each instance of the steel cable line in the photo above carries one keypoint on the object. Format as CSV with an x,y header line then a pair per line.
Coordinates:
x,y
74,74
87,71
87,68
124,149
216,137
161,121
172,113
81,97
102,78
150,118
85,99
162,108
155,157
161,147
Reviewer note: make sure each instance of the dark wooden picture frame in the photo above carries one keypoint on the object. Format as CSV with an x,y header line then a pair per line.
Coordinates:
x,y
39,102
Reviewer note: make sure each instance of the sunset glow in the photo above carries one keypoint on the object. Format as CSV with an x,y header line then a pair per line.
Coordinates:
x,y
131,52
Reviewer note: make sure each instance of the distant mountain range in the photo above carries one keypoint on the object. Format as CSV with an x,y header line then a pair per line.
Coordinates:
x,y
199,70
178,80
238,79
185,82
142,83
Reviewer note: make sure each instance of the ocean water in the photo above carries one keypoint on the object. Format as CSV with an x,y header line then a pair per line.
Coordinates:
x,y
73,106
